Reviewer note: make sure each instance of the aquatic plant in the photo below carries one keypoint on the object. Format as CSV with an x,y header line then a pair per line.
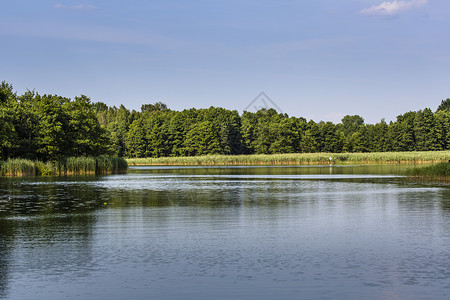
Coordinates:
x,y
18,167
80,165
67,166
440,170
107,164
300,159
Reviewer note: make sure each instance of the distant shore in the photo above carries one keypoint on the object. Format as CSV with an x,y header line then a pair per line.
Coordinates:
x,y
415,157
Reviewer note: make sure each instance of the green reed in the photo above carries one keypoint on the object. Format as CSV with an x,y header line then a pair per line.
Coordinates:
x,y
300,159
439,170
66,166
106,164
18,167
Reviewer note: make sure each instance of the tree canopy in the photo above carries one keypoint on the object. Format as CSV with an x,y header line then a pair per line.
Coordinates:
x,y
49,127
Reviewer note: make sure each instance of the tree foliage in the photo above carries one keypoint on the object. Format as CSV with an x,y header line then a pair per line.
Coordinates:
x,y
445,105
50,127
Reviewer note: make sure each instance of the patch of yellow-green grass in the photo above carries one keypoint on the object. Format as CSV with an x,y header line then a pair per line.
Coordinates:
x,y
18,167
437,172
299,159
67,166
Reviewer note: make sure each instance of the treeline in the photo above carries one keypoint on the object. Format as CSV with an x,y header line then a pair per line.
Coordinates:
x,y
156,131
48,127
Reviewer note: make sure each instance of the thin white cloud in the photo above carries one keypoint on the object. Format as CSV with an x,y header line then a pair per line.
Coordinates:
x,y
88,33
85,7
393,7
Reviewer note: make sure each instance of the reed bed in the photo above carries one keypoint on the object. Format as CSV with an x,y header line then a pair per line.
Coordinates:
x,y
18,167
80,166
68,166
437,172
107,165
299,159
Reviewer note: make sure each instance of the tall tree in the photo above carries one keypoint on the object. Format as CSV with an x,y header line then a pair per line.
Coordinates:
x,y
445,105
136,142
52,139
331,139
7,133
350,124
158,106
311,138
86,134
424,131
203,138
443,129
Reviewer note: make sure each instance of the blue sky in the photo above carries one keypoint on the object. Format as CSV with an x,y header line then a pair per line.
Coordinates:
x,y
318,59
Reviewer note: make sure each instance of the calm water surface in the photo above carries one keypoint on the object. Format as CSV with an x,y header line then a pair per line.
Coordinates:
x,y
353,232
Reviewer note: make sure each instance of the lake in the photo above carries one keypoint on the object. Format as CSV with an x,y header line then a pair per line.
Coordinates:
x,y
340,232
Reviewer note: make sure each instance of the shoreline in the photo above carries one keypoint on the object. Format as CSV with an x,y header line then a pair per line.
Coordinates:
x,y
70,166
424,157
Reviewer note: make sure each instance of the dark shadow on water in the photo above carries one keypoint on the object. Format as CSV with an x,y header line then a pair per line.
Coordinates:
x,y
6,239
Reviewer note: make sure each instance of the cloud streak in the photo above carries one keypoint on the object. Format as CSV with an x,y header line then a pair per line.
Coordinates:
x,y
392,8
85,7
88,33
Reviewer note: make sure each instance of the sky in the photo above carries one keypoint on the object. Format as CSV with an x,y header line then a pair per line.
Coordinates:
x,y
317,59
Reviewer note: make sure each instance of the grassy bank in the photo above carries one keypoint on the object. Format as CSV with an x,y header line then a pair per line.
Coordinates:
x,y
298,159
68,166
437,172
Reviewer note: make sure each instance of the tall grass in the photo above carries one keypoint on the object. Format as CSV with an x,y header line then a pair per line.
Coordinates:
x,y
300,159
106,164
80,165
68,166
18,167
440,170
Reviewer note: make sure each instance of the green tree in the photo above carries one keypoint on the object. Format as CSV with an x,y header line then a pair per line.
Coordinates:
x,y
7,133
311,138
7,94
87,137
249,122
158,106
330,139
26,125
284,134
350,124
360,140
177,129
378,136
443,129
136,142
52,140
157,133
401,133
117,129
263,135
445,105
424,131
203,138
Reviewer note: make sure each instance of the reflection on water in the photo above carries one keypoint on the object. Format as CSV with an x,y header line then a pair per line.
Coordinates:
x,y
239,232
6,238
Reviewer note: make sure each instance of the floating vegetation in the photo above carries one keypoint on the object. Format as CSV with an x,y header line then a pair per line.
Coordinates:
x,y
67,166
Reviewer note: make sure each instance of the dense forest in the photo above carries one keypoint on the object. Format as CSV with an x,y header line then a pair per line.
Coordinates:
x,y
49,127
